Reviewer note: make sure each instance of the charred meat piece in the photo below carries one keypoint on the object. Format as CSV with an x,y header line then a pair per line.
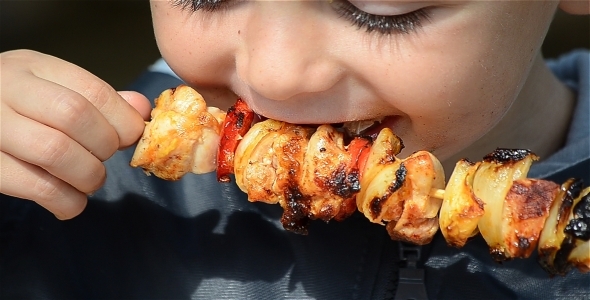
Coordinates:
x,y
397,192
183,136
419,219
328,175
255,164
526,207
308,171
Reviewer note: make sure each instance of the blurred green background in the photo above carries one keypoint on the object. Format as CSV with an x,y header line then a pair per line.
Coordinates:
x,y
115,41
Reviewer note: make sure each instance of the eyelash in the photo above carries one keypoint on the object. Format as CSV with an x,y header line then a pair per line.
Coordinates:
x,y
207,5
386,25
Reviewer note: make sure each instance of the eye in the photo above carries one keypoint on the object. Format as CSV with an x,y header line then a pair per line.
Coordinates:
x,y
207,5
391,20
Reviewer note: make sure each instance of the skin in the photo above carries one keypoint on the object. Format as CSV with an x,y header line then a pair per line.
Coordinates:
x,y
463,69
468,81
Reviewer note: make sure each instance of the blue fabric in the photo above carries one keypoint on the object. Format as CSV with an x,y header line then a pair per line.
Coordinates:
x,y
573,70
470,273
144,238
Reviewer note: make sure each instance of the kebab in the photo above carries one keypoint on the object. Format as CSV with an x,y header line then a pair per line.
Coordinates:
x,y
320,173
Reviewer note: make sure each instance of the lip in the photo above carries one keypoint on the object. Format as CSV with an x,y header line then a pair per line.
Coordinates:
x,y
314,114
338,105
285,112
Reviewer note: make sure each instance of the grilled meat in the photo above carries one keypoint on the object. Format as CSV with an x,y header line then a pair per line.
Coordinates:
x,y
320,173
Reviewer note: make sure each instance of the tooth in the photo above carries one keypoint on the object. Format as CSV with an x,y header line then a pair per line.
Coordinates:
x,y
357,127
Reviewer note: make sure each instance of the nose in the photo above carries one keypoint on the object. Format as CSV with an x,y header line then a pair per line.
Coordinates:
x,y
281,56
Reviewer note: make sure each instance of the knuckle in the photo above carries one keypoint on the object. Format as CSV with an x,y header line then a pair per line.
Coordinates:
x,y
71,109
53,194
20,60
15,63
102,93
20,55
53,150
47,188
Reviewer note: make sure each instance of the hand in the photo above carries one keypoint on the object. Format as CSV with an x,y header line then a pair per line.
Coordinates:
x,y
58,124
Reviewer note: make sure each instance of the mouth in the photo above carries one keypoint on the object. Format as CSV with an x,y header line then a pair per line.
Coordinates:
x,y
351,129
365,117
369,127
352,121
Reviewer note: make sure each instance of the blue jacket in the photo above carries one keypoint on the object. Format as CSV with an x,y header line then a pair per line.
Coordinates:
x,y
144,238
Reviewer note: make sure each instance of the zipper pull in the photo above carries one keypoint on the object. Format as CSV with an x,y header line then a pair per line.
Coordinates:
x,y
411,278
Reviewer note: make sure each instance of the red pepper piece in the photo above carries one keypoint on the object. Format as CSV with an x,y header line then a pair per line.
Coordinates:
x,y
237,122
359,151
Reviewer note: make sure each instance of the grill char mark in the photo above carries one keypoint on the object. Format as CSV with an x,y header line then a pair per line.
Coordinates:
x,y
295,213
503,156
377,203
579,226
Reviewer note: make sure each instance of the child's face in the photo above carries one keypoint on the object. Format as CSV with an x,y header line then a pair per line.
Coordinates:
x,y
447,73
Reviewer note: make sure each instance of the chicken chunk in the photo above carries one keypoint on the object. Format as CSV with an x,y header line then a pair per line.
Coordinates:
x,y
183,136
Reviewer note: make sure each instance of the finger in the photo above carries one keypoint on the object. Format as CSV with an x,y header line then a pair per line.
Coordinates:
x,y
139,102
123,117
51,150
62,109
58,197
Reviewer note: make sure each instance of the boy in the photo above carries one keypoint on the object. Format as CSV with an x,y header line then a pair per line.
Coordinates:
x,y
456,78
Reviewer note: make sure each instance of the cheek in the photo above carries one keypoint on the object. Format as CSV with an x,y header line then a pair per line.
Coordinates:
x,y
456,81
448,98
458,93
196,47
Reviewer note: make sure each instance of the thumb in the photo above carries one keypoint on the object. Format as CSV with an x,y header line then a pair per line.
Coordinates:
x,y
139,102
